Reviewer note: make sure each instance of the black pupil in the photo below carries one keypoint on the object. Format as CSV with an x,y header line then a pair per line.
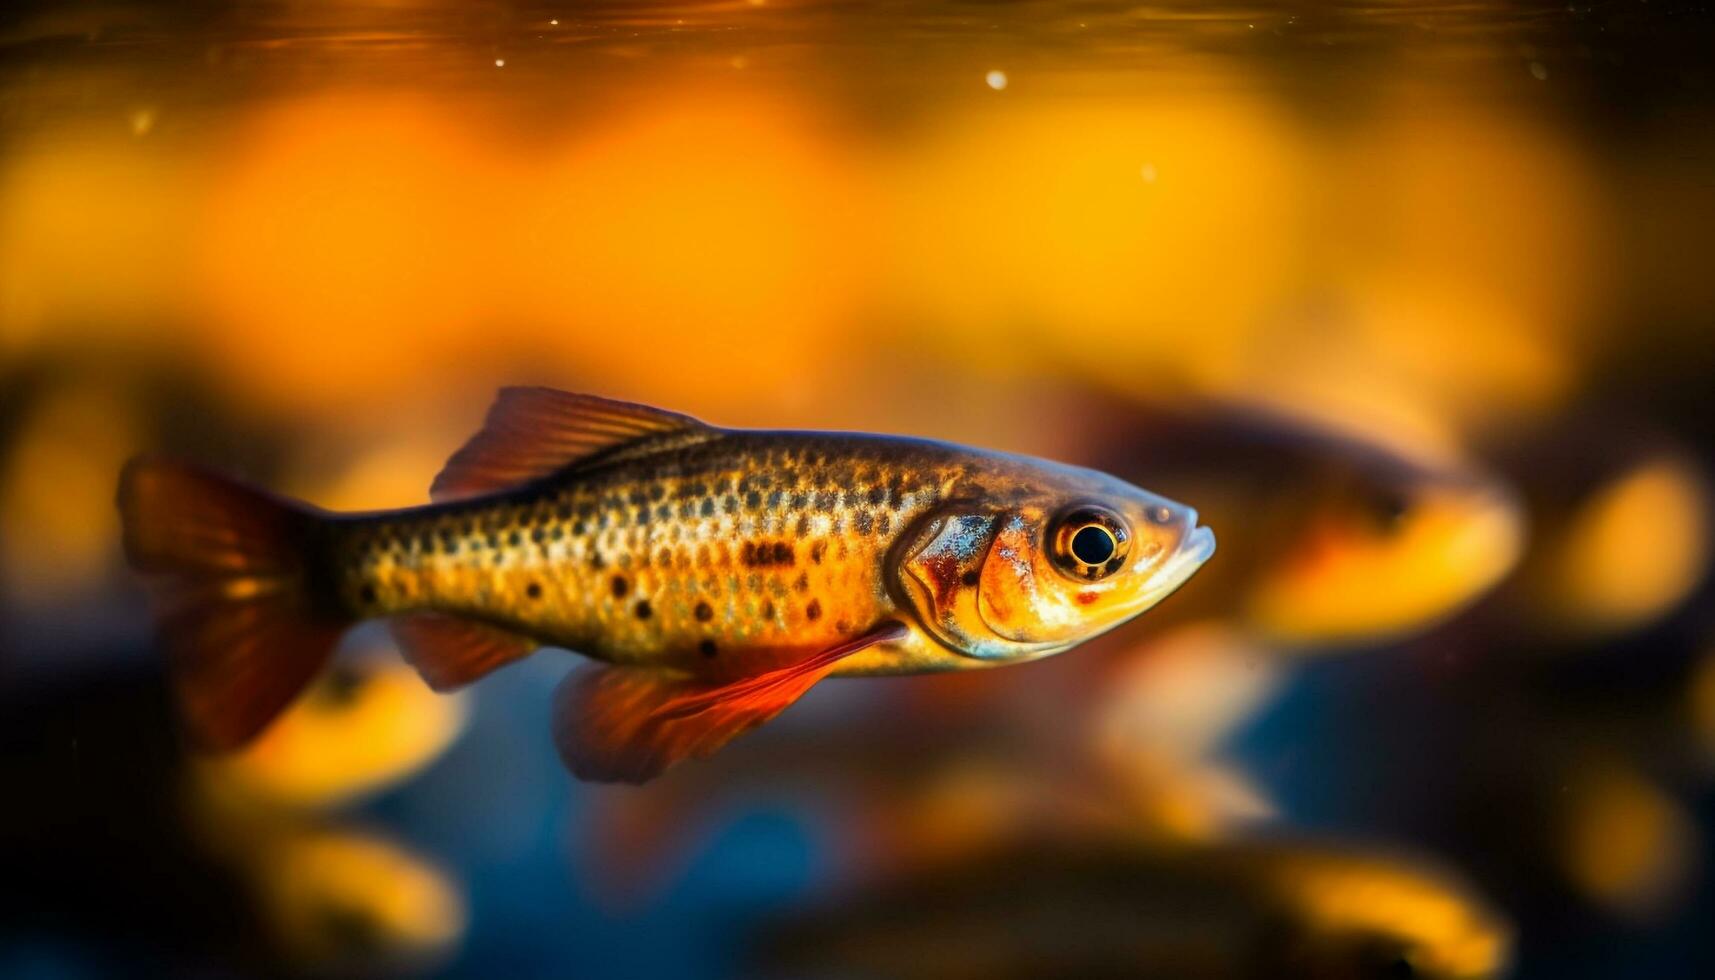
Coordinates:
x,y
1092,545
1391,508
341,686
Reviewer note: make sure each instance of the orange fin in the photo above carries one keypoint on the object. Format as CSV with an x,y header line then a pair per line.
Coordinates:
x,y
451,652
531,433
626,724
243,622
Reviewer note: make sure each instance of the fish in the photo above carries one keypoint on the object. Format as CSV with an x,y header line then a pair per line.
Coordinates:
x,y
1377,541
715,574
366,724
332,896
1336,540
1228,910
1332,540
342,899
1623,524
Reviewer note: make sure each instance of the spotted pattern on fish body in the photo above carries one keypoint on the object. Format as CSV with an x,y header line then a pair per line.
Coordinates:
x,y
758,541
718,573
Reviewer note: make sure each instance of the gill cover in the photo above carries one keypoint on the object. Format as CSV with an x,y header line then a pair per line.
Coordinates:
x,y
1007,592
969,575
939,567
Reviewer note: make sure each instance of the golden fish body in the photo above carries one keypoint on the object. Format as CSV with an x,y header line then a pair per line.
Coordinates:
x,y
718,573
753,541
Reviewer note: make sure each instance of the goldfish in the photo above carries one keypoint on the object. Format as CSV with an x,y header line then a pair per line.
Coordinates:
x,y
716,574
1219,911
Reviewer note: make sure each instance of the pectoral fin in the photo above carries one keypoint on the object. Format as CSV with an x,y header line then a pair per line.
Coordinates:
x,y
627,724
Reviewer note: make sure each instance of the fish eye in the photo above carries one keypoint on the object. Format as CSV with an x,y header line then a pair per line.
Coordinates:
x,y
1093,544
1090,542
1388,508
1389,963
339,688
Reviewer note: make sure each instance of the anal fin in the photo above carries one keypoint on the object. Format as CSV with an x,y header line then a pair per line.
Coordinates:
x,y
451,652
628,724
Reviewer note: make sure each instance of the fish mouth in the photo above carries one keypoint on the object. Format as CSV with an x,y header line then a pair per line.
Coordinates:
x,y
1197,547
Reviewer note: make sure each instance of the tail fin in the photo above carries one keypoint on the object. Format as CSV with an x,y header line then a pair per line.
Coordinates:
x,y
244,628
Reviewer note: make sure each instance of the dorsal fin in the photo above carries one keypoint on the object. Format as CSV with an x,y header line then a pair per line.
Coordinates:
x,y
533,432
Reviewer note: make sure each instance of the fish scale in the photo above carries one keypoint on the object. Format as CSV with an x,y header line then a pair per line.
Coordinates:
x,y
751,541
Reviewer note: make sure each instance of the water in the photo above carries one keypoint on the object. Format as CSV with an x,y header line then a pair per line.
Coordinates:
x,y
304,241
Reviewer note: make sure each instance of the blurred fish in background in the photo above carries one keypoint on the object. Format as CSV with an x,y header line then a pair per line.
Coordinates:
x,y
1351,540
1232,910
1334,519
367,724
1622,511
1566,764
332,895
1409,300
